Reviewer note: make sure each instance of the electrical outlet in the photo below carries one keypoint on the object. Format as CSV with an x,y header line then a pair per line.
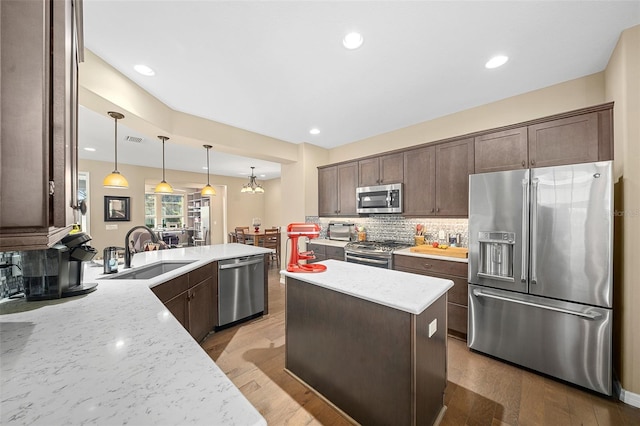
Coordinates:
x,y
433,327
111,227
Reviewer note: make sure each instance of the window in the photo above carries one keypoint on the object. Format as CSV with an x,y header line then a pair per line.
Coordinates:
x,y
164,210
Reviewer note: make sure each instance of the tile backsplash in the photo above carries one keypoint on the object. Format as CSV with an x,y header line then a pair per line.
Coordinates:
x,y
398,228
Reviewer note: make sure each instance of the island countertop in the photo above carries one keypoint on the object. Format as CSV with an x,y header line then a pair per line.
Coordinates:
x,y
407,292
116,356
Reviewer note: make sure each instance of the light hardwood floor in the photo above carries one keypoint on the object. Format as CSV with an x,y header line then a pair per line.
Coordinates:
x,y
480,391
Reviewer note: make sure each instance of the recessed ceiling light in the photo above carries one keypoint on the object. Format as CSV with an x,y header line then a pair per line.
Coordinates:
x,y
90,149
263,176
204,167
352,40
496,61
314,131
144,70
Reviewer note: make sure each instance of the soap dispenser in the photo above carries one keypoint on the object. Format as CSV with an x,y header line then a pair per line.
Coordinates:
x,y
110,259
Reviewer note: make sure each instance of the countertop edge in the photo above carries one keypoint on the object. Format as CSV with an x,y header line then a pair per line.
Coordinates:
x,y
408,252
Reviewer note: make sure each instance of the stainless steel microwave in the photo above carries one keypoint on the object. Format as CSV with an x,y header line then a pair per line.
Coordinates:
x,y
379,199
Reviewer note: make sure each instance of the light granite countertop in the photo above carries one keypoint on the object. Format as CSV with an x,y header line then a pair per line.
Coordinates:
x,y
327,242
116,356
408,252
407,292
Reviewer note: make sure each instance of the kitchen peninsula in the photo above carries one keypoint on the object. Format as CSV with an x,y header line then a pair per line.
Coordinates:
x,y
116,356
372,341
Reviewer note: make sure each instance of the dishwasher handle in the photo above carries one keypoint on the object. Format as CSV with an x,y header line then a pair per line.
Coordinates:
x,y
244,262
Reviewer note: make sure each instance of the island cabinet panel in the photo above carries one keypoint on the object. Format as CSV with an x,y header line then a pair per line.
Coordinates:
x,y
385,169
191,298
375,363
337,190
458,294
506,150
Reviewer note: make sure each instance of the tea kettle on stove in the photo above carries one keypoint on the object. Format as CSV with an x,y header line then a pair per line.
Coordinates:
x,y
110,259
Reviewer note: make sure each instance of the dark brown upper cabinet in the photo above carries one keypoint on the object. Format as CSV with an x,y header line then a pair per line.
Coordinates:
x,y
40,43
506,150
437,179
381,170
569,139
337,190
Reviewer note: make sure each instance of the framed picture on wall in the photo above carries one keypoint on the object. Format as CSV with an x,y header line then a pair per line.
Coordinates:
x,y
116,209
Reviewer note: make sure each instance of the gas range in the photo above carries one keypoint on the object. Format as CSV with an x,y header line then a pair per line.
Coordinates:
x,y
373,253
375,246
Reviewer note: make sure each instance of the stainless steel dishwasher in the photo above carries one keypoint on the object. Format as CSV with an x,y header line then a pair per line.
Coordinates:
x,y
240,288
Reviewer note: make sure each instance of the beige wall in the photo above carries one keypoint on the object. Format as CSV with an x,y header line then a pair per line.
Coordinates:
x,y
622,78
241,208
559,98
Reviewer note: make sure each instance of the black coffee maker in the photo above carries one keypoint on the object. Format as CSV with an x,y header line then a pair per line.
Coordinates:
x,y
57,272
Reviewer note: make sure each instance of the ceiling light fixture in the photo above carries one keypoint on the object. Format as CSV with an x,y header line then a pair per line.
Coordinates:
x,y
115,179
252,187
352,40
144,70
496,61
208,190
314,131
163,187
90,149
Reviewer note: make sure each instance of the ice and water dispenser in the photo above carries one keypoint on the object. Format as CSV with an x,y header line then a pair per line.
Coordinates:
x,y
496,255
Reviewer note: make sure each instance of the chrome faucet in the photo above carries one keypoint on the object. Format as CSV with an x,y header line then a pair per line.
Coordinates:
x,y
129,249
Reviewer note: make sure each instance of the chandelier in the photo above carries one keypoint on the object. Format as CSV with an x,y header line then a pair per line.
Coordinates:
x,y
252,187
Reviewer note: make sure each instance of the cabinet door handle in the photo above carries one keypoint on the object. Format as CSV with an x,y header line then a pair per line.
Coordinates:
x,y
533,162
428,266
524,163
432,209
438,210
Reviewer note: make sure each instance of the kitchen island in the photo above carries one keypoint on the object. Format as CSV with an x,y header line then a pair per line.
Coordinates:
x,y
116,356
371,341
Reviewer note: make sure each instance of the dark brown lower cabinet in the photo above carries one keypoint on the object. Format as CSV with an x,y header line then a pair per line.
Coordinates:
x,y
191,298
449,270
375,363
325,252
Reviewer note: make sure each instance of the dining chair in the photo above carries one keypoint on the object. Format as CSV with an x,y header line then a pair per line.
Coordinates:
x,y
242,237
272,240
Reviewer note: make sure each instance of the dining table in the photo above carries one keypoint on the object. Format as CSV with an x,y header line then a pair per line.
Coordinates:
x,y
256,236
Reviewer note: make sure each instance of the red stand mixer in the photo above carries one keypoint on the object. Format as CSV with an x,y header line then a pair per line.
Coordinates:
x,y
294,232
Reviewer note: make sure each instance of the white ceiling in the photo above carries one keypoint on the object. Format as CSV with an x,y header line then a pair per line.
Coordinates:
x,y
278,68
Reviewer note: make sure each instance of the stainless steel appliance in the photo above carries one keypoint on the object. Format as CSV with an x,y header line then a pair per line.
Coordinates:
x,y
379,199
540,270
240,289
373,253
110,259
341,231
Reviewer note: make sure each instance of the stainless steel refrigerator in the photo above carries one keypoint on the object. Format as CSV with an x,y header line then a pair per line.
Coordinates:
x,y
540,270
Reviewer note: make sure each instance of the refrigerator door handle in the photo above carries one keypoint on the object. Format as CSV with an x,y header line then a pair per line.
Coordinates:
x,y
588,315
534,230
525,221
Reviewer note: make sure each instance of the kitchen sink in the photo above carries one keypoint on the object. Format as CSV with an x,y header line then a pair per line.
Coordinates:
x,y
150,271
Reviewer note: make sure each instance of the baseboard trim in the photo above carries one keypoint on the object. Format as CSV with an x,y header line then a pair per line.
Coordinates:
x,y
626,396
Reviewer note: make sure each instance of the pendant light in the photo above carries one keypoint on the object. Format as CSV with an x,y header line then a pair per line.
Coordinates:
x,y
208,190
163,187
115,179
252,187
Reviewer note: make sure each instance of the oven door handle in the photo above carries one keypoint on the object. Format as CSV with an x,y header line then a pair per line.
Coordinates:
x,y
365,259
